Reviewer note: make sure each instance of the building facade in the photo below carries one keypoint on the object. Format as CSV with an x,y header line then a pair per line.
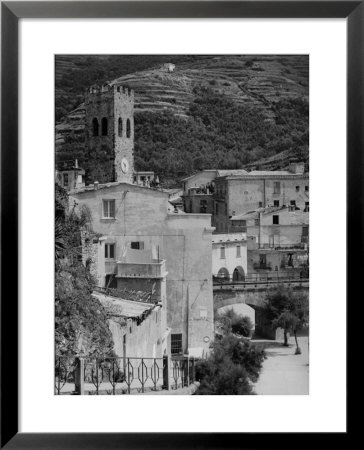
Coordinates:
x,y
229,257
237,195
131,217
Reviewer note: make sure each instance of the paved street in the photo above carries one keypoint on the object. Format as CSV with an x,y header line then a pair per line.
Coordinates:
x,y
285,373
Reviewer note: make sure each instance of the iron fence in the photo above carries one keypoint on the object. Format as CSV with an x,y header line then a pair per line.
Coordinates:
x,y
115,376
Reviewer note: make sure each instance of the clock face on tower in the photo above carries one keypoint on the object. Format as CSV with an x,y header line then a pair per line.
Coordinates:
x,y
124,165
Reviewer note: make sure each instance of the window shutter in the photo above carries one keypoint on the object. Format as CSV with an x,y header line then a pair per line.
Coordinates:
x,y
112,208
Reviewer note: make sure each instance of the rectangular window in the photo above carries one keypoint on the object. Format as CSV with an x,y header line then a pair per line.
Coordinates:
x,y
307,207
176,344
65,179
276,202
238,251
222,252
109,251
109,209
297,189
263,260
137,245
203,206
290,260
260,204
306,188
277,187
275,220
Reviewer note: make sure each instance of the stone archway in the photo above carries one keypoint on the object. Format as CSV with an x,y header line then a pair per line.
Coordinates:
x,y
238,274
223,274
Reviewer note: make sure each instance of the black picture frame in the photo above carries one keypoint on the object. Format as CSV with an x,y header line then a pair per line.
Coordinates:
x,y
11,12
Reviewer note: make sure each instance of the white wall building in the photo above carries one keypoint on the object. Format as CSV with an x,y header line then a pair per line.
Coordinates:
x,y
229,256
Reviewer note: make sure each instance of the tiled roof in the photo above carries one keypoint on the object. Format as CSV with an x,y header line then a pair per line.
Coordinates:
x,y
91,187
223,173
255,214
121,307
270,172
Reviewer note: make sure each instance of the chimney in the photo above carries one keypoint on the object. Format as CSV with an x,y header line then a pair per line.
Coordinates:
x,y
96,185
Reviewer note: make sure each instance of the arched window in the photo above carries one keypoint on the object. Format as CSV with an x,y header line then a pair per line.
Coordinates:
x,y
128,128
104,126
95,127
120,127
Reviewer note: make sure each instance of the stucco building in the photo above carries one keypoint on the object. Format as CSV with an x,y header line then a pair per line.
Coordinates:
x,y
239,194
131,217
69,175
229,256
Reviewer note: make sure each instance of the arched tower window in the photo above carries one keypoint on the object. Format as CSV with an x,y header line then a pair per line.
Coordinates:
x,y
104,126
128,128
120,127
95,127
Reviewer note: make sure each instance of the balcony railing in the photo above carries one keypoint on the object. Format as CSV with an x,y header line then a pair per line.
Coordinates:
x,y
295,246
110,267
261,266
153,269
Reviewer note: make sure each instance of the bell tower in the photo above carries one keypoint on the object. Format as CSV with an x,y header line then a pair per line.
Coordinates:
x,y
110,133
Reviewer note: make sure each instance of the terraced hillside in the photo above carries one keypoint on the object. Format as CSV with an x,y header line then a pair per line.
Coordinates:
x,y
252,85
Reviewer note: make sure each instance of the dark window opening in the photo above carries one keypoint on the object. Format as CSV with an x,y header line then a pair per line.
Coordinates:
x,y
263,260
307,207
306,188
176,344
65,179
137,245
260,204
276,202
109,251
275,220
104,126
290,260
203,206
128,128
297,188
95,127
120,127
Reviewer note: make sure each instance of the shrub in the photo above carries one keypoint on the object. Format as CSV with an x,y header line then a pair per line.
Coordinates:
x,y
236,323
231,368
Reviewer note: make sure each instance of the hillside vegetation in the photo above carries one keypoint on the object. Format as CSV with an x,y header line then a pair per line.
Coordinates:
x,y
221,111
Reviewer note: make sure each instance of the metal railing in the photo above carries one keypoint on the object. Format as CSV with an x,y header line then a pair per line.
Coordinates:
x,y
264,279
115,376
296,246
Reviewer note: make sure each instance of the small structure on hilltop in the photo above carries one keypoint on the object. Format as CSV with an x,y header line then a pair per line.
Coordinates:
x,y
168,67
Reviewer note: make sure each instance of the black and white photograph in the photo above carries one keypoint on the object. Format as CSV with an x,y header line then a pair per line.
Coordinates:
x,y
181,224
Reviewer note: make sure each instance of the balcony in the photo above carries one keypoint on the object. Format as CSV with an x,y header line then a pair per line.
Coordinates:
x,y
154,269
110,267
261,266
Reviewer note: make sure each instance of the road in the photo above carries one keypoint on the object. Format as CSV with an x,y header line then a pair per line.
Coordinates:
x,y
285,373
